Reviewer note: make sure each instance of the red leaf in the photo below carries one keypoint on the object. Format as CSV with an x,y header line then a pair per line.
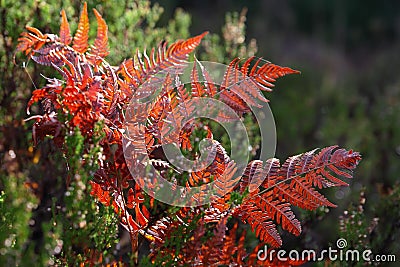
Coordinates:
x,y
100,48
80,43
65,33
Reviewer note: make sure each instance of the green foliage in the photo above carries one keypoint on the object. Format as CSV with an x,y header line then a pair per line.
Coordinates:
x,y
355,229
387,231
378,233
16,206
133,25
86,229
232,43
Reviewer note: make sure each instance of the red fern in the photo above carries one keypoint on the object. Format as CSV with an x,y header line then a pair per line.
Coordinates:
x,y
293,184
65,33
135,72
80,42
242,86
32,40
198,89
100,47
92,91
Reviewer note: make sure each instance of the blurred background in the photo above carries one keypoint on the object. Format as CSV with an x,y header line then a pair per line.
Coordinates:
x,y
347,94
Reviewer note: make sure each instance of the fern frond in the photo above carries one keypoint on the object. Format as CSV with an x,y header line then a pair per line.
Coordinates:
x,y
50,92
261,224
80,42
173,58
47,125
264,212
164,227
226,181
299,175
211,250
198,178
32,40
256,174
278,210
293,183
229,248
198,89
65,33
241,86
100,47
209,83
55,54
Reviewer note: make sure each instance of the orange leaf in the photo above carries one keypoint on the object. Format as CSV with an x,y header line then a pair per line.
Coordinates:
x,y
65,33
80,43
100,47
